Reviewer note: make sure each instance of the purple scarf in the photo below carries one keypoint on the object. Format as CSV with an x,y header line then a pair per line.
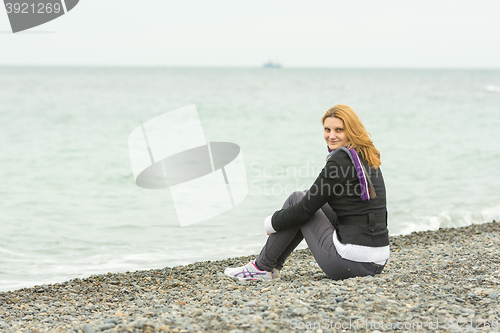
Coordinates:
x,y
367,189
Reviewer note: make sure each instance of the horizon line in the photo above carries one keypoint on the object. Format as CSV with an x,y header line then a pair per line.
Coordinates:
x,y
242,67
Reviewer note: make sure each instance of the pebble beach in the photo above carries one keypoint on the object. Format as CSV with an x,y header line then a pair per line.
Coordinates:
x,y
445,280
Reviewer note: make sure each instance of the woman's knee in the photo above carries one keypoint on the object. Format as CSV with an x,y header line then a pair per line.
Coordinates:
x,y
297,195
293,199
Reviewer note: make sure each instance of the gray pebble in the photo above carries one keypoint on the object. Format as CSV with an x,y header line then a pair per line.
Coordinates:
x,y
339,310
88,329
110,320
106,326
300,311
140,323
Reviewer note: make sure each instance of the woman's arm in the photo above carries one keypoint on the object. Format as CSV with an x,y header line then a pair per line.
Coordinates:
x,y
330,182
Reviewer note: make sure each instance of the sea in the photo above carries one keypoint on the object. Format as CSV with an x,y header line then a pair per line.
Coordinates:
x,y
70,206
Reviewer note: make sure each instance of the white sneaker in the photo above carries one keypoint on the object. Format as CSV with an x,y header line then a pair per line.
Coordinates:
x,y
250,272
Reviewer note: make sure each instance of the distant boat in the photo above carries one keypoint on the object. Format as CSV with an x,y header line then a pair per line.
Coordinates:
x,y
271,64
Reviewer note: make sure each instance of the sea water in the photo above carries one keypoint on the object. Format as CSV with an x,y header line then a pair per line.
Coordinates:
x,y
69,205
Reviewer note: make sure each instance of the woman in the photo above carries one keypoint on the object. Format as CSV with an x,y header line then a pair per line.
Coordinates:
x,y
343,215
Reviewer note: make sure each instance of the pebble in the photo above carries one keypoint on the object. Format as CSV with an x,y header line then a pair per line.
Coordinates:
x,y
339,299
88,329
106,326
197,313
433,277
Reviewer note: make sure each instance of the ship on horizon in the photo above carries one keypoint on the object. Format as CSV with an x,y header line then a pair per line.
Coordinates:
x,y
271,64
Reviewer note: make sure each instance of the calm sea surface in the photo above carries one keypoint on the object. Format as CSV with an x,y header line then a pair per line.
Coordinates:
x,y
69,206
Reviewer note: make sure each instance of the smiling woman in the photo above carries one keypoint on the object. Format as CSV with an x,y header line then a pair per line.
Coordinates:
x,y
349,131
343,215
334,133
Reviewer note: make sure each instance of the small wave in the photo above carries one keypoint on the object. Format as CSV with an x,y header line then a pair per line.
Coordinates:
x,y
491,213
2,250
493,88
448,219
123,227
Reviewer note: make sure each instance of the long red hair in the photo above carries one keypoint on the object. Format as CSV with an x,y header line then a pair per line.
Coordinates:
x,y
357,136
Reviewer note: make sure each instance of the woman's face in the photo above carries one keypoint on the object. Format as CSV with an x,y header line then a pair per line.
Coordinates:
x,y
334,133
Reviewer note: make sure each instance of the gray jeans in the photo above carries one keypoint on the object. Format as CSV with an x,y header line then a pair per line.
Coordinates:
x,y
318,233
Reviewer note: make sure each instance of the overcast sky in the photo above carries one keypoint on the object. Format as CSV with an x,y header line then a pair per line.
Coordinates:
x,y
220,33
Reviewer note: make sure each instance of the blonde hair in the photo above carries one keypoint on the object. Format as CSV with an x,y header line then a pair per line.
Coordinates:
x,y
357,136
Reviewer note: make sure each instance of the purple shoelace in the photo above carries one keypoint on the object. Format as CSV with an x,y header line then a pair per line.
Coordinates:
x,y
246,273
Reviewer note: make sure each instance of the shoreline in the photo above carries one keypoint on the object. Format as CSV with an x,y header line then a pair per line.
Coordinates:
x,y
448,279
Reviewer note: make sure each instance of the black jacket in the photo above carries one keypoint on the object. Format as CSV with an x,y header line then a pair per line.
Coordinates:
x,y
358,222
